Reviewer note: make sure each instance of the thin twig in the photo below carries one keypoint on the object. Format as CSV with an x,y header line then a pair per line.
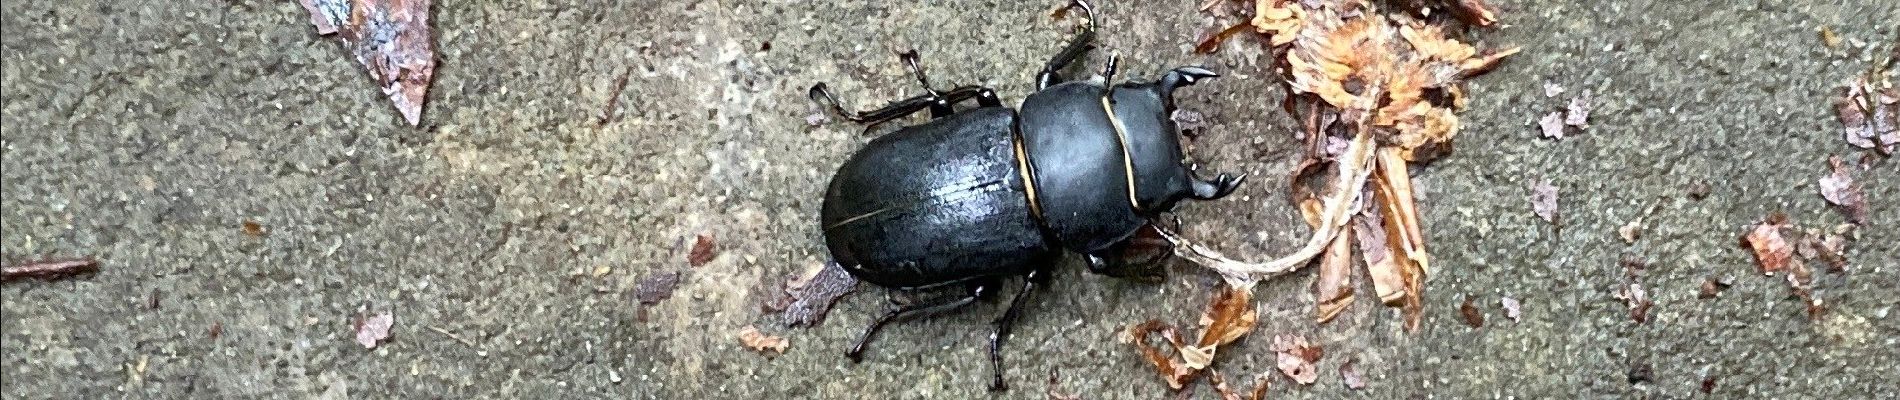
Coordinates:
x,y
50,269
613,97
445,332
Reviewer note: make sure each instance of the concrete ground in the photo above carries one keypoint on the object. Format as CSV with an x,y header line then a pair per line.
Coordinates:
x,y
145,134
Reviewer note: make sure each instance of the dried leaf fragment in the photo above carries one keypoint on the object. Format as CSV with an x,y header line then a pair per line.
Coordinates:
x,y
1177,375
1869,111
656,287
812,298
704,249
1638,301
1544,201
1840,190
1712,287
1772,253
1578,113
371,331
1349,372
1512,309
1552,125
1333,289
390,38
1296,358
253,229
759,341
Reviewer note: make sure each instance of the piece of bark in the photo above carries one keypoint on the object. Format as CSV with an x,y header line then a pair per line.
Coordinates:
x,y
50,269
391,39
812,299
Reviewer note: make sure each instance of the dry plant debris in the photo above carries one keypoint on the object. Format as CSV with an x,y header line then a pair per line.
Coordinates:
x,y
1839,189
50,269
1473,316
1544,201
1512,308
1869,111
1296,358
704,250
1349,372
373,330
1377,91
761,342
1229,317
391,38
810,298
1775,253
656,287
1055,381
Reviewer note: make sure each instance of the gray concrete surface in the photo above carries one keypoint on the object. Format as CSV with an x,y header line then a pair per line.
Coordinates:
x,y
145,134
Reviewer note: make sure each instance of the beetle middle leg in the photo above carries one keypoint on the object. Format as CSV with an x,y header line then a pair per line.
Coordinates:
x,y
984,97
856,353
1082,42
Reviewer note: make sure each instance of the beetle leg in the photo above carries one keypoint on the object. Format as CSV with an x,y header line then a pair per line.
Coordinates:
x,y
940,107
856,352
1080,44
1221,186
1003,325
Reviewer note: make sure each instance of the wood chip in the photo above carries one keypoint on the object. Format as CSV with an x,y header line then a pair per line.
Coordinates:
x,y
813,297
50,269
761,342
1839,189
1772,253
704,249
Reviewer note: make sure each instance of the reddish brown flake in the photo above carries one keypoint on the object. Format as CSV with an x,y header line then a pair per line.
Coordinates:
x,y
1472,316
254,229
656,287
49,269
1637,300
814,297
1772,253
1840,190
1869,112
217,329
1708,384
1176,374
704,250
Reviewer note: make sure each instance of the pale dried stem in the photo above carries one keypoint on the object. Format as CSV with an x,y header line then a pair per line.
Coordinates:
x,y
1355,166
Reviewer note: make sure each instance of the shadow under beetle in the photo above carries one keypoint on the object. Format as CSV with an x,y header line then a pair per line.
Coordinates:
x,y
986,193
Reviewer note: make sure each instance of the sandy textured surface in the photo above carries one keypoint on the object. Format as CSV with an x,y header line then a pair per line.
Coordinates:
x,y
146,134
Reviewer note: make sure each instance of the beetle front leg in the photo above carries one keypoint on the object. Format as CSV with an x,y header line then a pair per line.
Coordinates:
x,y
1221,186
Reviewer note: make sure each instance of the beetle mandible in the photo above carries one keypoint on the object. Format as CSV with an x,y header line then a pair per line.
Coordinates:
x,y
978,195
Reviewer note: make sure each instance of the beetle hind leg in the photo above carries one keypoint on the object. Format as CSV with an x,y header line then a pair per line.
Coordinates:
x,y
856,353
1003,326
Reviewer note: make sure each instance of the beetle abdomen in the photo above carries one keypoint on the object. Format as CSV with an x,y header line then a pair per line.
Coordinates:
x,y
936,203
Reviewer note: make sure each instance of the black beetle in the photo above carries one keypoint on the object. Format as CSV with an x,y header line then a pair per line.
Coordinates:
x,y
982,194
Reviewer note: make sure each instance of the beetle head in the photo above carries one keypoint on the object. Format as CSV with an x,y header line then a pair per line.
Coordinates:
x,y
1161,173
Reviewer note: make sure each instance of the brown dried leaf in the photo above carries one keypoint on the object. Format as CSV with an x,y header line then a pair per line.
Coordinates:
x,y
1349,372
1296,358
704,250
1472,315
759,341
1772,253
1176,374
374,330
1839,189
812,299
1333,288
1231,316
1512,309
656,287
1544,200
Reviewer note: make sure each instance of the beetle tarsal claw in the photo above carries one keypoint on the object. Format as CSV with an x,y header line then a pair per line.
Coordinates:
x,y
1221,186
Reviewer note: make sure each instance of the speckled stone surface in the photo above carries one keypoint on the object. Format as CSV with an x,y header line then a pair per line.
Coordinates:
x,y
146,134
